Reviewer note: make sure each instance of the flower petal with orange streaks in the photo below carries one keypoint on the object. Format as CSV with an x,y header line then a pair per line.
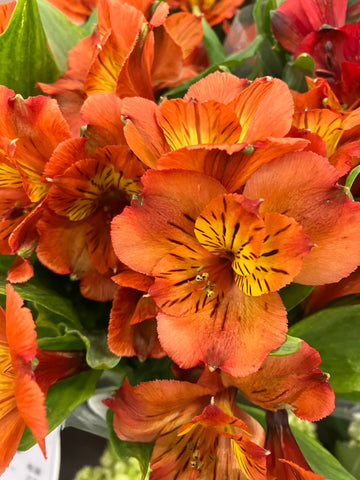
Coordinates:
x,y
234,335
193,123
260,115
291,381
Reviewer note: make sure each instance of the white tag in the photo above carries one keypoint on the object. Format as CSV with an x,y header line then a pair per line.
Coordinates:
x,y
31,465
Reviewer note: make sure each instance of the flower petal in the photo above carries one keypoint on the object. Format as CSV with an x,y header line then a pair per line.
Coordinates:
x,y
303,185
235,335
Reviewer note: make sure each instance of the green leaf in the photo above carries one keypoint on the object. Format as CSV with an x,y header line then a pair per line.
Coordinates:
x,y
62,399
98,355
320,460
295,72
233,60
25,58
61,34
294,294
291,345
350,179
257,14
46,298
212,44
335,333
125,450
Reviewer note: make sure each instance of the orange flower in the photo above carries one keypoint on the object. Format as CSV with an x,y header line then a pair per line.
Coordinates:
x,y
133,52
218,259
29,132
76,10
286,462
291,381
132,327
214,11
196,435
22,402
220,128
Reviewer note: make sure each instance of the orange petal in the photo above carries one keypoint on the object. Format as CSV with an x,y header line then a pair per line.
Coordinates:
x,y
31,405
198,123
259,115
291,381
162,217
235,336
220,86
232,170
185,28
12,427
102,115
20,326
134,78
20,271
285,245
304,474
126,339
142,131
303,185
143,412
325,123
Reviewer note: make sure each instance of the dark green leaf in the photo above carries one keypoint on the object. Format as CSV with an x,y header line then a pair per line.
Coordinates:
x,y
49,299
98,355
25,58
295,72
125,450
294,294
61,34
335,333
212,44
291,345
62,399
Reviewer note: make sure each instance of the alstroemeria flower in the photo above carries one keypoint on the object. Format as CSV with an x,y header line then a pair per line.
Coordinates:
x,y
285,462
76,10
132,327
214,11
222,127
22,402
218,259
195,436
217,265
292,381
86,192
134,51
29,132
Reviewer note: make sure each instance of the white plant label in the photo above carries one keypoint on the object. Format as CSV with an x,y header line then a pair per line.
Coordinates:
x,y
31,465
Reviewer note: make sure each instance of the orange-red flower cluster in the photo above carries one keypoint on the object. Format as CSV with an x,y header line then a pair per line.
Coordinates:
x,y
189,215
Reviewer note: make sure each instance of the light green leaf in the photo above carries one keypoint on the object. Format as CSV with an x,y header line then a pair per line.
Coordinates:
x,y
291,345
350,179
335,333
98,355
25,58
212,44
125,450
61,34
62,399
